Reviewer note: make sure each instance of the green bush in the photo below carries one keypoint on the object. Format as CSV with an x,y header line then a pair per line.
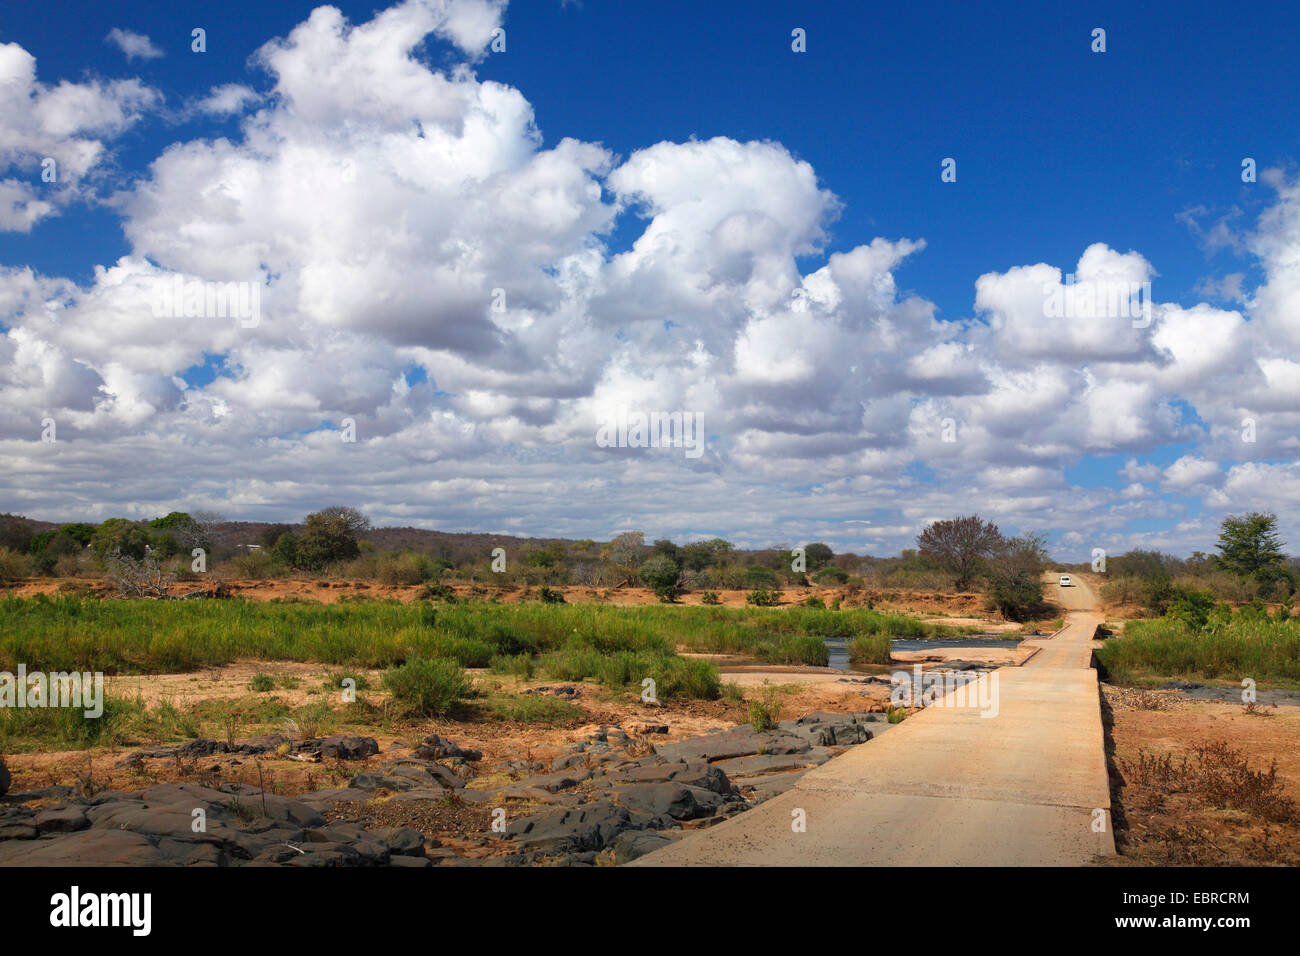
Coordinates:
x,y
661,574
261,683
14,566
831,575
870,649
1018,598
673,676
405,568
519,665
710,597
765,710
254,565
427,687
1192,607
794,649
763,597
1229,647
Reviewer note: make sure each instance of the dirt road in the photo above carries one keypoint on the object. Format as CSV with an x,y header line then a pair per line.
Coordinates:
x,y
1013,774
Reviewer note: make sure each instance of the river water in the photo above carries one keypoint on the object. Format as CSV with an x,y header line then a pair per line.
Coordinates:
x,y
840,654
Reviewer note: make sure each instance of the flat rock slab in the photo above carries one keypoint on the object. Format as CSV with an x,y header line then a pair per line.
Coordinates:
x,y
770,785
703,775
764,763
737,742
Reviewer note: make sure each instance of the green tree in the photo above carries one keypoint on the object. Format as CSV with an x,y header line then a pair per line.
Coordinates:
x,y
15,532
669,550
660,572
1015,574
121,535
169,534
1250,548
699,555
285,550
357,524
818,555
326,538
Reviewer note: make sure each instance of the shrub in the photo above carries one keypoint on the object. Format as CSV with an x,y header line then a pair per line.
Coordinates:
x,y
661,573
438,592
261,683
758,577
335,681
1192,607
403,569
520,665
685,677
831,575
255,565
765,710
285,550
1017,598
870,649
327,537
510,640
548,596
427,687
14,566
763,597
673,676
710,597
119,534
815,601
794,649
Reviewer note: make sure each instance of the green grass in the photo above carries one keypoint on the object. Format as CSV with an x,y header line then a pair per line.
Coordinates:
x,y
870,649
616,646
530,709
795,649
1151,652
125,721
149,637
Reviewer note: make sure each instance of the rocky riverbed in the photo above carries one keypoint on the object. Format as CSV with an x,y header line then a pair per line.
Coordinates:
x,y
609,798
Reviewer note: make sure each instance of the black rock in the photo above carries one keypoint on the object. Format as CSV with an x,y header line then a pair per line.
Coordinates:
x,y
631,844
575,830
434,747
349,747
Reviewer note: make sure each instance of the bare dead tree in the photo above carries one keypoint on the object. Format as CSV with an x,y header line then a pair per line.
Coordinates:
x,y
146,578
960,544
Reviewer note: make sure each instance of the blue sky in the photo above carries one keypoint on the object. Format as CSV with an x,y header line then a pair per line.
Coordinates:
x,y
1058,148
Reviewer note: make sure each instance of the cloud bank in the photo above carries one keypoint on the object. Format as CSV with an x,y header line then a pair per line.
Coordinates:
x,y
428,267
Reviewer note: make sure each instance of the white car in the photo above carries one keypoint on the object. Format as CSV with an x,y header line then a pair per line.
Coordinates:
x,y
1065,580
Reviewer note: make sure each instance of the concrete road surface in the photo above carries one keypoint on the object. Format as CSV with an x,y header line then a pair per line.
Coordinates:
x,y
1024,786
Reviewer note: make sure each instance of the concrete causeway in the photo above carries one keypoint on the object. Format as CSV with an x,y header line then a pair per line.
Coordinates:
x,y
949,787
